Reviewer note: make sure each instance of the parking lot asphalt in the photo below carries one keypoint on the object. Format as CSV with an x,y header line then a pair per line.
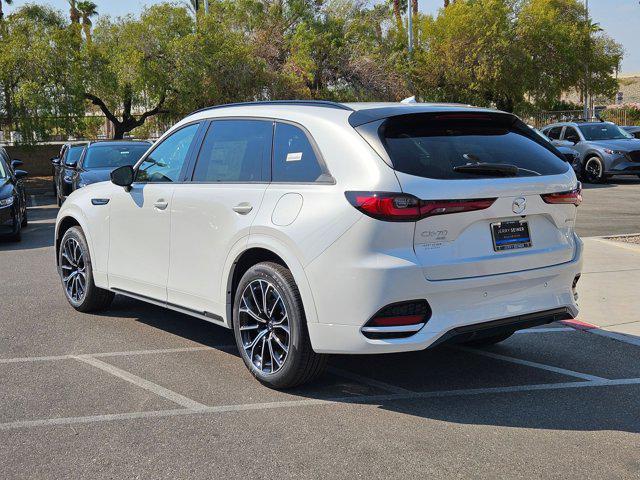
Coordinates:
x,y
143,392
610,208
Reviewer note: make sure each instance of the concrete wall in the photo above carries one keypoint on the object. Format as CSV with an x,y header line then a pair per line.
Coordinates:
x,y
36,158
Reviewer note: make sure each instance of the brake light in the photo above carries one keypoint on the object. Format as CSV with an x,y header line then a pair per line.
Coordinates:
x,y
402,207
573,197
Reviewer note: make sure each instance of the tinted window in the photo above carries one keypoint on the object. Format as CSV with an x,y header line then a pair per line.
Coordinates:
x,y
603,131
113,156
554,133
431,146
3,169
294,159
571,135
235,151
167,160
73,155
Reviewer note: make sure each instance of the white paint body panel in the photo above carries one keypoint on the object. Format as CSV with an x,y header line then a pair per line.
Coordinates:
x,y
347,266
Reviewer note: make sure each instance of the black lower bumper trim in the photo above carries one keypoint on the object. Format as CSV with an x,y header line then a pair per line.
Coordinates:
x,y
504,325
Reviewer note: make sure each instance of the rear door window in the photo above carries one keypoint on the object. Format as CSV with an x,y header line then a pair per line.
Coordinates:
x,y
235,151
432,145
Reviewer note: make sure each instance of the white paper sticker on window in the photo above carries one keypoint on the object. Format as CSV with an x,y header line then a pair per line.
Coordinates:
x,y
294,157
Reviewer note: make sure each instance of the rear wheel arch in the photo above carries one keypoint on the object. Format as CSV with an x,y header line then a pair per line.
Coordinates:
x,y
257,253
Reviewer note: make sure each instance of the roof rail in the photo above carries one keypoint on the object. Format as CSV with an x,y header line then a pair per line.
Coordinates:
x,y
308,103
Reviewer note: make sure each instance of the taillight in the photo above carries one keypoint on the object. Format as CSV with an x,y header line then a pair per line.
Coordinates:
x,y
402,207
573,197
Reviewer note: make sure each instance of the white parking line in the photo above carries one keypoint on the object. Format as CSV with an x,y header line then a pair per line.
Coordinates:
x,y
546,330
372,399
142,383
542,366
51,358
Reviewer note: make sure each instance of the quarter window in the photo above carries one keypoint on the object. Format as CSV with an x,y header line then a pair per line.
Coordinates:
x,y
167,160
294,159
235,151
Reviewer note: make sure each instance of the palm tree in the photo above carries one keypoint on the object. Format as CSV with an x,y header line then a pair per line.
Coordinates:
x,y
74,13
87,10
8,2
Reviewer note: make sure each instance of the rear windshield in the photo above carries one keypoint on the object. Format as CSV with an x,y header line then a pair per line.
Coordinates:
x,y
432,145
113,156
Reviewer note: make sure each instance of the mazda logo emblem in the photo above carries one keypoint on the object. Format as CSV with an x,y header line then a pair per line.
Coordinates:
x,y
519,205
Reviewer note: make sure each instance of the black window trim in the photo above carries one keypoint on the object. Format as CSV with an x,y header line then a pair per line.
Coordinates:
x,y
192,167
268,180
196,141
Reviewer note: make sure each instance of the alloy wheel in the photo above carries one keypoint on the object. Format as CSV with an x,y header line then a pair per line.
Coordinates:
x,y
74,270
264,326
593,169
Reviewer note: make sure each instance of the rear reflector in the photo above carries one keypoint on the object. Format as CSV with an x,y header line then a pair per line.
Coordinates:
x,y
573,197
402,207
401,314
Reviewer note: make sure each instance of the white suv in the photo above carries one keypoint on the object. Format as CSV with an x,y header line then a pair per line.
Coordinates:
x,y
312,228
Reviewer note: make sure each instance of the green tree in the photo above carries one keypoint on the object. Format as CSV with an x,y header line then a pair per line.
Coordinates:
x,y
131,65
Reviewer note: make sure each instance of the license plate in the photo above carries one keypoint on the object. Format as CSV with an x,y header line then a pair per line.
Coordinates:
x,y
510,235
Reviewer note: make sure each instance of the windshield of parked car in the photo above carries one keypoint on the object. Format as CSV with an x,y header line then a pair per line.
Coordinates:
x,y
603,131
449,146
113,156
73,155
3,172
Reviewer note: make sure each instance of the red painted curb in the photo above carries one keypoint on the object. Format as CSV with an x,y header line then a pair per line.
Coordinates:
x,y
578,325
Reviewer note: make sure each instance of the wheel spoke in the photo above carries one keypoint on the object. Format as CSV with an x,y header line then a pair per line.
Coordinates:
x,y
73,270
262,314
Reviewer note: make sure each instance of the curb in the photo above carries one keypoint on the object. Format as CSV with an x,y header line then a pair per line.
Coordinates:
x,y
590,328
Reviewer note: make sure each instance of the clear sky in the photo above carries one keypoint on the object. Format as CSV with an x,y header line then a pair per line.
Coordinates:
x,y
619,18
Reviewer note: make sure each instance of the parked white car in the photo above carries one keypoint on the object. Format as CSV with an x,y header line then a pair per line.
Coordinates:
x,y
313,228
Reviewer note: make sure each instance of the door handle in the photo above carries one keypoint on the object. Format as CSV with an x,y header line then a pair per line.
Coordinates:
x,y
161,204
243,208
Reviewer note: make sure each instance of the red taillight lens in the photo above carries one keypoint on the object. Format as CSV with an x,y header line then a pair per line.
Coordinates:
x,y
573,197
401,207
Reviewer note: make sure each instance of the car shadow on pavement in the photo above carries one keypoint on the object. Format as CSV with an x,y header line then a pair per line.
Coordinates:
x,y
38,233
427,380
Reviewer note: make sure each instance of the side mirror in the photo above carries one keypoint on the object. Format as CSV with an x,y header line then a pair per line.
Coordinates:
x,y
20,173
15,163
71,164
564,143
55,160
123,176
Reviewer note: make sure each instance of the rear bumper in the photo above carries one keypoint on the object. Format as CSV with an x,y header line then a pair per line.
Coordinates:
x,y
345,301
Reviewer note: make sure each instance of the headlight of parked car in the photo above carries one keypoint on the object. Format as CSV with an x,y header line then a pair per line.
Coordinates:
x,y
5,202
613,152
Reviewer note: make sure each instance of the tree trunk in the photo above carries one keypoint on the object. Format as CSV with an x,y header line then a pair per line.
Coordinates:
x,y
396,12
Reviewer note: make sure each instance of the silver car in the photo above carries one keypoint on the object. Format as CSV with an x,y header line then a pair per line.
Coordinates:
x,y
604,148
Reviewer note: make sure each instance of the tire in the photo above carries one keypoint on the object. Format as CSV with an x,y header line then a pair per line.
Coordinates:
x,y
487,341
16,237
266,329
58,201
25,219
74,257
593,170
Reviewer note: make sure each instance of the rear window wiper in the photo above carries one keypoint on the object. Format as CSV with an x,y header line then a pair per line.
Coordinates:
x,y
483,168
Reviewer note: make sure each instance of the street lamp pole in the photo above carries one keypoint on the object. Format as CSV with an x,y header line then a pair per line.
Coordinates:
x,y
206,7
586,65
